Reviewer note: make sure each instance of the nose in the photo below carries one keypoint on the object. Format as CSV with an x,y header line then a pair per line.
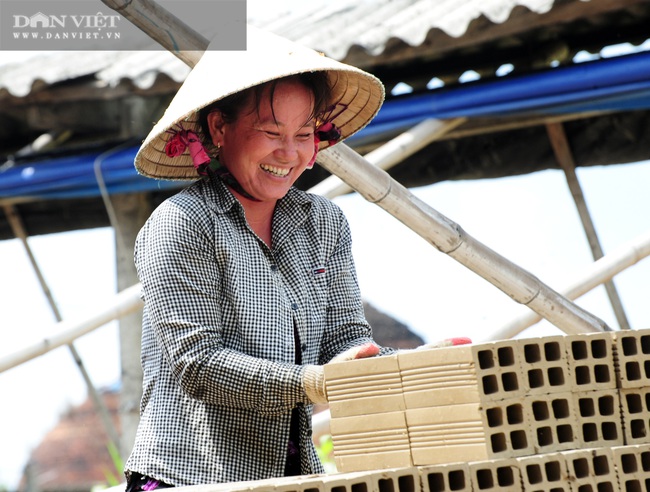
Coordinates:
x,y
287,150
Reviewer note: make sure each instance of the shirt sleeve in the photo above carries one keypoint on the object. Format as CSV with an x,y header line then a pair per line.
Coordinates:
x,y
180,277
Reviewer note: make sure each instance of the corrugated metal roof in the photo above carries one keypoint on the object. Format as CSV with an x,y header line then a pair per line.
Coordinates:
x,y
372,24
335,28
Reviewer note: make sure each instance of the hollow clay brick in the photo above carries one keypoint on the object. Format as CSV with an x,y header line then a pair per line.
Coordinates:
x,y
544,365
438,377
544,473
450,477
364,386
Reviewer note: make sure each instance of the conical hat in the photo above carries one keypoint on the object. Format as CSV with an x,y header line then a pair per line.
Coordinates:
x,y
357,95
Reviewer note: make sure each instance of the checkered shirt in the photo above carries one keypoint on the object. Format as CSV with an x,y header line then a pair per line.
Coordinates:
x,y
218,351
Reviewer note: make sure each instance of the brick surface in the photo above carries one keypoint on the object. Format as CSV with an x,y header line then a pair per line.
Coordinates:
x,y
499,368
599,416
438,377
544,365
363,443
364,386
446,434
632,467
507,429
500,475
552,421
544,473
396,480
635,413
445,478
632,358
591,469
591,359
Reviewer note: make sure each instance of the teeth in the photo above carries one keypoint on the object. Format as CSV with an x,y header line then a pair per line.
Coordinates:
x,y
278,171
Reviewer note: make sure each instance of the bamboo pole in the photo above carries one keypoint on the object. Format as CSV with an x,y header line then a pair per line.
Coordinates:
x,y
393,152
378,187
20,232
126,302
564,156
599,272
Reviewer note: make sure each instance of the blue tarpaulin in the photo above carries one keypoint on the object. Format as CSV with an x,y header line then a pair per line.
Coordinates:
x,y
613,84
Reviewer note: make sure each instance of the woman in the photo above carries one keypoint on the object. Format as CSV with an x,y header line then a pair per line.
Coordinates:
x,y
249,284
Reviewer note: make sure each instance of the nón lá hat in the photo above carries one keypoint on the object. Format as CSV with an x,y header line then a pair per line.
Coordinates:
x,y
356,95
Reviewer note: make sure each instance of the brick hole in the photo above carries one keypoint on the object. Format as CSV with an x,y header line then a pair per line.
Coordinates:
x,y
645,461
506,356
505,476
532,353
638,428
518,439
358,487
494,417
535,378
312,489
609,430
587,408
534,474
598,349
485,479
601,465
560,408
606,405
646,367
457,480
514,414
552,351
436,482
589,432
498,442
544,436
540,411
581,467
510,382
564,433
386,485
634,486
339,488
632,371
606,487
601,373
647,401
553,471
634,403
629,345
645,344
405,483
485,359
579,350
556,376
490,384
583,376
628,463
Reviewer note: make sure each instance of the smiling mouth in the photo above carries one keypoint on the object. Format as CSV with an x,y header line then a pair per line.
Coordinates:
x,y
280,172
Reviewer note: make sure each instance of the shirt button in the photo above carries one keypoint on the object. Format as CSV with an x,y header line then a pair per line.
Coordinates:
x,y
274,268
303,347
294,306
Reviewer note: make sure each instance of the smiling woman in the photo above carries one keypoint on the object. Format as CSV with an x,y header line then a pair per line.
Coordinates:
x,y
249,283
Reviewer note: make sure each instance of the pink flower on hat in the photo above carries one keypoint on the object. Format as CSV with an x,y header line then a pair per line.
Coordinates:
x,y
325,132
183,139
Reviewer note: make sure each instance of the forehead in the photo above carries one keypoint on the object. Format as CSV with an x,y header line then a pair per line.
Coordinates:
x,y
281,99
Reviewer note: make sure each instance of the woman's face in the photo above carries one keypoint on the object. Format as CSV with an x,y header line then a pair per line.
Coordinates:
x,y
267,150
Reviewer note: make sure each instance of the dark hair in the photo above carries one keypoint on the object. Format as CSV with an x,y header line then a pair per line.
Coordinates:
x,y
231,106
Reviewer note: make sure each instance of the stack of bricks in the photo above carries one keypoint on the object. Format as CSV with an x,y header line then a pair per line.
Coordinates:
x,y
509,415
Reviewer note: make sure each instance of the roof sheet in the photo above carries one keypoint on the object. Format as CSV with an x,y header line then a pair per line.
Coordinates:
x,y
335,28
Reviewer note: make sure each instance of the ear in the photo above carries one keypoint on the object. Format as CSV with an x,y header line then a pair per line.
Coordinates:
x,y
216,126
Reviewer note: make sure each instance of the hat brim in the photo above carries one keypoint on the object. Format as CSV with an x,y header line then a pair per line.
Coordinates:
x,y
357,95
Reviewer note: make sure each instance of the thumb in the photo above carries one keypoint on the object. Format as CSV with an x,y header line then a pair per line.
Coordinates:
x,y
359,352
